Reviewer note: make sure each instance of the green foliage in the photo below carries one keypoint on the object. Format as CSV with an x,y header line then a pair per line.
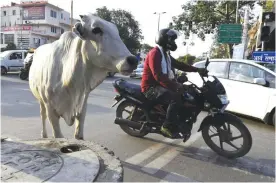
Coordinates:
x,y
188,59
128,27
203,17
10,46
269,5
146,48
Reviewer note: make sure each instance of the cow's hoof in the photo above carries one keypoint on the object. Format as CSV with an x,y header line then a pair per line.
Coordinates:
x,y
44,135
78,138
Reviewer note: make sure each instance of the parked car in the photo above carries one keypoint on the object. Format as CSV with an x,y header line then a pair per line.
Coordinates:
x,y
250,86
12,60
137,73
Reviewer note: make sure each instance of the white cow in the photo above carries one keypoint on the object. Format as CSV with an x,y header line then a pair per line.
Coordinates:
x,y
64,72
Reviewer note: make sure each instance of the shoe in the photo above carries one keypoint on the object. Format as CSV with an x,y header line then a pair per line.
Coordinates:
x,y
166,131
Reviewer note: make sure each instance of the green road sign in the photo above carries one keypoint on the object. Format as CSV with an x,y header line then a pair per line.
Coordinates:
x,y
230,33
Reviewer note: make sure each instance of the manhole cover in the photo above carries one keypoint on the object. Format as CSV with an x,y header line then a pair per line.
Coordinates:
x,y
30,165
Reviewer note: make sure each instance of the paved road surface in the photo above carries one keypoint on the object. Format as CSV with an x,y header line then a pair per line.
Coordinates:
x,y
152,158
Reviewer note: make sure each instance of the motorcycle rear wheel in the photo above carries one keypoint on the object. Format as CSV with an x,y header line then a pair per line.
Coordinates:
x,y
130,131
228,138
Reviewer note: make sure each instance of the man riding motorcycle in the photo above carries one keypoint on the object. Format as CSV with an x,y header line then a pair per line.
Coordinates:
x,y
158,78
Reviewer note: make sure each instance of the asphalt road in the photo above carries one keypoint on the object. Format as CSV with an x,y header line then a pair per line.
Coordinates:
x,y
152,158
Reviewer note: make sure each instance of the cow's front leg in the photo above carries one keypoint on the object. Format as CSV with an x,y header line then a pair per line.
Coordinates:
x,y
80,122
54,120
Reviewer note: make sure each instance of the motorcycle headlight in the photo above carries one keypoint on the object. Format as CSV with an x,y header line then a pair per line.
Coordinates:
x,y
223,98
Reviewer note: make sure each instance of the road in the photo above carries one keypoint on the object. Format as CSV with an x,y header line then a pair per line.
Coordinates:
x,y
152,158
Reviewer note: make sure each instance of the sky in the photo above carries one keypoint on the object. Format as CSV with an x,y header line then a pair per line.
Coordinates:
x,y
142,11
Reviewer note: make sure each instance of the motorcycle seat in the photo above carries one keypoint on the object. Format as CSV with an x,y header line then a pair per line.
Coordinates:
x,y
133,89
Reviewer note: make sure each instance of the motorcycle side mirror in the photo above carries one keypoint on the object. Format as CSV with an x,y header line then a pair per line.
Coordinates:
x,y
207,62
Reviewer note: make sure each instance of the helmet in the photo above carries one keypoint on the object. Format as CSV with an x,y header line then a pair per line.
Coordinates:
x,y
166,39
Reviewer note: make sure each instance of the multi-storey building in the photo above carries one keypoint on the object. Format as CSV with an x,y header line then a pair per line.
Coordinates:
x,y
33,23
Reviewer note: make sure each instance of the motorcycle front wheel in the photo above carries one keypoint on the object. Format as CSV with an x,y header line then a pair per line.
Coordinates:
x,y
23,75
221,139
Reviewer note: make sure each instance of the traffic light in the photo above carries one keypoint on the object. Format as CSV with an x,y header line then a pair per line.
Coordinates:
x,y
268,17
265,33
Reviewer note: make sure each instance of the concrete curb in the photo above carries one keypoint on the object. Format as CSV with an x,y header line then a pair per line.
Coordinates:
x,y
110,167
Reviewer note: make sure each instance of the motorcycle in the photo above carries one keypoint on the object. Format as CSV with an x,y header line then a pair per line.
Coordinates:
x,y
144,116
24,72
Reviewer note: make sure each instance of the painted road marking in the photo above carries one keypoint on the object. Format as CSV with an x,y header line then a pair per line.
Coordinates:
x,y
157,164
147,153
175,177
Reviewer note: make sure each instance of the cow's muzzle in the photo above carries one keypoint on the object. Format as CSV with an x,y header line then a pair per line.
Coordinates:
x,y
132,62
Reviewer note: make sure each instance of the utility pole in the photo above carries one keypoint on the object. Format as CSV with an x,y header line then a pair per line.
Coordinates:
x,y
245,29
71,14
21,27
237,11
159,17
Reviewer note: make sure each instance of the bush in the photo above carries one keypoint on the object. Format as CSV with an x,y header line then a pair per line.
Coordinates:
x,y
11,46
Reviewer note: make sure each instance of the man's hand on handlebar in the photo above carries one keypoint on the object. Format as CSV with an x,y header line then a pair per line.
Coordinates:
x,y
202,71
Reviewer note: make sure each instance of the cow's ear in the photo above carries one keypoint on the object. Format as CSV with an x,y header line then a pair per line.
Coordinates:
x,y
79,30
84,18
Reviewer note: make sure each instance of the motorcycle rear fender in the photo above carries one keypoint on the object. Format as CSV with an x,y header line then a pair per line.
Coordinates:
x,y
218,119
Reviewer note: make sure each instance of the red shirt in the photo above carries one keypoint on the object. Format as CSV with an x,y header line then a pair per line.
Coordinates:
x,y
152,73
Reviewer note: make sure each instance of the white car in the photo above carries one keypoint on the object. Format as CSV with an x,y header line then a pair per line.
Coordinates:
x,y
250,87
12,60
138,73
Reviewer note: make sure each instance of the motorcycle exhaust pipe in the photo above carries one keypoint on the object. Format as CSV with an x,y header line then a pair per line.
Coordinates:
x,y
131,124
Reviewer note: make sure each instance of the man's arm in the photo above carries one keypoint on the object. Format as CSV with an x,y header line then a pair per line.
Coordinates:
x,y
156,69
182,66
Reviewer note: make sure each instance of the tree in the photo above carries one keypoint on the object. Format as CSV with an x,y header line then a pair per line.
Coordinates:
x,y
188,59
10,46
219,51
203,17
128,27
146,47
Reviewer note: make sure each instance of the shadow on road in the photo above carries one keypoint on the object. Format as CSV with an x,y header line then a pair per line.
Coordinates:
x,y
160,174
264,167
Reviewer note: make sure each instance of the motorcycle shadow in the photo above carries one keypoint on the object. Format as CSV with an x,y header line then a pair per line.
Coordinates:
x,y
264,167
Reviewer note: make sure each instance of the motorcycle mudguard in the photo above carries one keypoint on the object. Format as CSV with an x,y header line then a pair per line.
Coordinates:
x,y
218,119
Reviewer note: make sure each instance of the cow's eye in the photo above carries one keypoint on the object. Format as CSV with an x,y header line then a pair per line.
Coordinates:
x,y
97,30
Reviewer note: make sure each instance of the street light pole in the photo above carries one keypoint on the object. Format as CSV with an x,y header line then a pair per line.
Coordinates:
x,y
21,27
237,11
159,17
71,15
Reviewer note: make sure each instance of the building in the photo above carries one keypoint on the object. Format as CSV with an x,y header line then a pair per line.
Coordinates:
x,y
33,23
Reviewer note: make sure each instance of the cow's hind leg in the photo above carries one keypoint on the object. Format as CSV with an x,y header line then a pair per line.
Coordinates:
x,y
43,118
54,120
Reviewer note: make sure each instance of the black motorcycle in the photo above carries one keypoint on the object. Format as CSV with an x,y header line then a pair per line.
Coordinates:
x,y
24,72
144,116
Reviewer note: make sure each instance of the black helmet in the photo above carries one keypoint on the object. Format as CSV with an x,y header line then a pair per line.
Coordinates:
x,y
166,39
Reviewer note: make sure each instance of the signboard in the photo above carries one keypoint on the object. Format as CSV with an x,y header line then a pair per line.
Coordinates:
x,y
230,33
34,13
32,1
264,56
238,51
16,28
